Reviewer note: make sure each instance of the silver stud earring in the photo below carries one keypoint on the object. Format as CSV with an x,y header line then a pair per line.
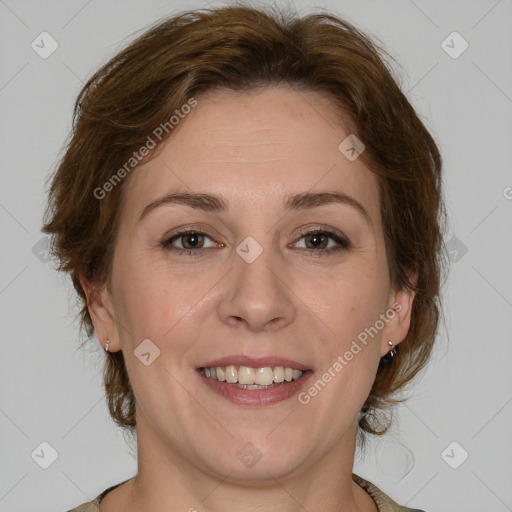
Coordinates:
x,y
106,346
388,358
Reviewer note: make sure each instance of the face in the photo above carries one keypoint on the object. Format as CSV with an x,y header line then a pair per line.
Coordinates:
x,y
266,278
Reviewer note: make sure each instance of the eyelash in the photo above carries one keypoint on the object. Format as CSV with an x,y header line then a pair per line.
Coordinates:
x,y
344,243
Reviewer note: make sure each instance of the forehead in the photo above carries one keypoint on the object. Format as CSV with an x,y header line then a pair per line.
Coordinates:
x,y
253,149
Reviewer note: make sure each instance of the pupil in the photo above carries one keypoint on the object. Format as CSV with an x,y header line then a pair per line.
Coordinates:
x,y
194,238
316,239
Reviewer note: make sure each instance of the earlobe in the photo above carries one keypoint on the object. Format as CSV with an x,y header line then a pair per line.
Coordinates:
x,y
402,305
101,313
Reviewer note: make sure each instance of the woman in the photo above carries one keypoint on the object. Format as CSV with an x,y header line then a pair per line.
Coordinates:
x,y
251,212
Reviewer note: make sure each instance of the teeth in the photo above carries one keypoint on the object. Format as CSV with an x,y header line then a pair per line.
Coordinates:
x,y
264,376
252,378
221,374
246,375
278,374
231,374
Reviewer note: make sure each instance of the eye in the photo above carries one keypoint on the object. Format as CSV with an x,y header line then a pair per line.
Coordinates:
x,y
317,241
190,241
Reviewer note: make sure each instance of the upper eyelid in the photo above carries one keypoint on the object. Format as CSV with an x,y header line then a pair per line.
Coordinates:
x,y
302,231
186,231
312,226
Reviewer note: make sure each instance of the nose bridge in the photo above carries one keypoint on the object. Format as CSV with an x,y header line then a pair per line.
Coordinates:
x,y
255,261
257,291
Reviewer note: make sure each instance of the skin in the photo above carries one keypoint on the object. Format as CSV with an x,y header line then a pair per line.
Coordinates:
x,y
252,149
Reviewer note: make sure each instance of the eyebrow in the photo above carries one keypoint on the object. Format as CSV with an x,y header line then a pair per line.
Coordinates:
x,y
296,202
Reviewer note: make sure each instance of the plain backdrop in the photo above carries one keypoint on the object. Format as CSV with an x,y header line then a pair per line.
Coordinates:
x,y
450,448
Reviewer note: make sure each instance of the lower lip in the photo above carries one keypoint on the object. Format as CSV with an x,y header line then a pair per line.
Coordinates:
x,y
257,396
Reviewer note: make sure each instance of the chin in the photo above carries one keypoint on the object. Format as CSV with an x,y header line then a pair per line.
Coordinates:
x,y
256,460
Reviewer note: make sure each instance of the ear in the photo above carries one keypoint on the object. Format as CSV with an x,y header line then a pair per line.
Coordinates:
x,y
100,306
401,302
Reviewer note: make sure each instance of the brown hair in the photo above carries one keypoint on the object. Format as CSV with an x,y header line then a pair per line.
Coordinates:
x,y
243,49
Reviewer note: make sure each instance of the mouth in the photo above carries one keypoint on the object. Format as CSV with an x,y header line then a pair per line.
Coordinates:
x,y
248,381
245,377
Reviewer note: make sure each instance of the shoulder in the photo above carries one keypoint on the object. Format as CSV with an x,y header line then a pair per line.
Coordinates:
x,y
383,501
90,506
94,505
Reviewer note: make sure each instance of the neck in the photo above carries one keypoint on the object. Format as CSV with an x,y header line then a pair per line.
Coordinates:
x,y
166,480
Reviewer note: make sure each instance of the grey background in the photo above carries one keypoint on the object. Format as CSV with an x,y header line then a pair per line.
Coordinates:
x,y
50,391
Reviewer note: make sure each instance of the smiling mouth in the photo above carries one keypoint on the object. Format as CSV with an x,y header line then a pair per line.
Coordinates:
x,y
246,377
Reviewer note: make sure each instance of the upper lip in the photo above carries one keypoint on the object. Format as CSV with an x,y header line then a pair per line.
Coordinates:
x,y
254,362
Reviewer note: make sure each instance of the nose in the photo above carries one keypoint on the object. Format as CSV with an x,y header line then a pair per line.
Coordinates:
x,y
258,295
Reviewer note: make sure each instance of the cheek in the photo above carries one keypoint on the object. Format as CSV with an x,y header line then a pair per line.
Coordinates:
x,y
156,301
352,301
154,304
351,349
350,304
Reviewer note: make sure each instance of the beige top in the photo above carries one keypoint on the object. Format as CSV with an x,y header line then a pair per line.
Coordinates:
x,y
384,502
